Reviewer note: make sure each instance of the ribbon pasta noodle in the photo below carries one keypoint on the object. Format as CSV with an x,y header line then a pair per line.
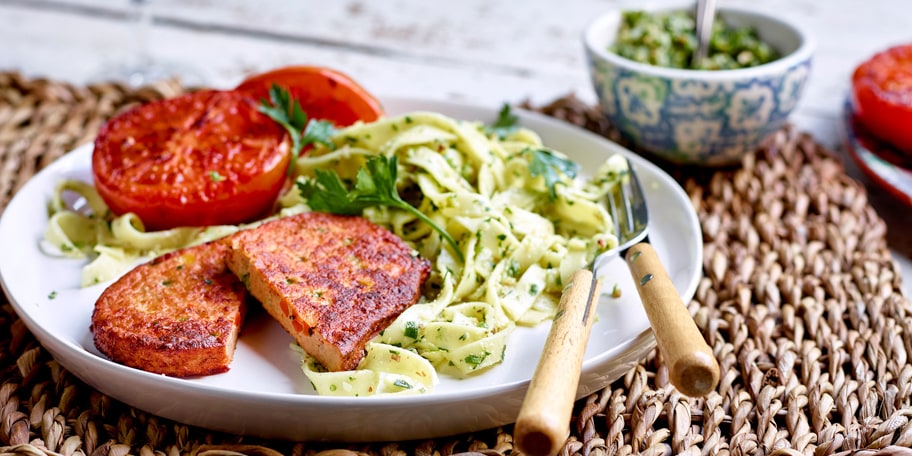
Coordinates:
x,y
91,231
113,244
521,237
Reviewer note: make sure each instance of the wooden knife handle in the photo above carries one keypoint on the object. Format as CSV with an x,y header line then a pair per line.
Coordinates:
x,y
692,366
543,424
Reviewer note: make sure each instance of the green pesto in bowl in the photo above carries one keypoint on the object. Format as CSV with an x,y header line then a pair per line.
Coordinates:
x,y
669,39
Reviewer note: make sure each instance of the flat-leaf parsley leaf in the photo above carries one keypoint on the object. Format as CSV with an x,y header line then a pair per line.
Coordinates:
x,y
546,164
375,185
286,111
506,123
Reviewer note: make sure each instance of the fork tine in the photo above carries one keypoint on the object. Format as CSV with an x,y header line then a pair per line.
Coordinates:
x,y
614,208
625,194
639,212
628,210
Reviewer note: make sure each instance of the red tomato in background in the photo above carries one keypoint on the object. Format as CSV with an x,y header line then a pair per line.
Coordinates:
x,y
204,158
323,93
882,96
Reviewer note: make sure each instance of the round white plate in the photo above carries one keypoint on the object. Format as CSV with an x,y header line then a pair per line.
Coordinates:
x,y
265,393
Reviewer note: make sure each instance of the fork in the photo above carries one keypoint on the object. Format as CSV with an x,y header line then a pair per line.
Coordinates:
x,y
543,422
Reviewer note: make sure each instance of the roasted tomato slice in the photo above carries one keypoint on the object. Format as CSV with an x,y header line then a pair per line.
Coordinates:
x,y
323,93
882,96
204,158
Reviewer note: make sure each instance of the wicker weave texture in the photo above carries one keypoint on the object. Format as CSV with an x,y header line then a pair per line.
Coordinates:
x,y
799,299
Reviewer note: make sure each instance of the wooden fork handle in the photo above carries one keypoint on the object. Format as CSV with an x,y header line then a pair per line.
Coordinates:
x,y
543,423
692,367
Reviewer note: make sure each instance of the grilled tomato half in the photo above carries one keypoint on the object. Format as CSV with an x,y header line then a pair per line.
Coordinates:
x,y
324,93
882,96
204,158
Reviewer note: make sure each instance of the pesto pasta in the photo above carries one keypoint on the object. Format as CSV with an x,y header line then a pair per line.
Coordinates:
x,y
522,222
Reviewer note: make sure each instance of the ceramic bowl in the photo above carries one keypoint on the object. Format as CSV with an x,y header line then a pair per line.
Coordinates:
x,y
702,117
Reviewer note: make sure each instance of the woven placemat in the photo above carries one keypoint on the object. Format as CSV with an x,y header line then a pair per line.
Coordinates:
x,y
799,299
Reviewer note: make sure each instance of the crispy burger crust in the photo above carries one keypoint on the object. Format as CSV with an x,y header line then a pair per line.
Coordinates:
x,y
333,282
178,315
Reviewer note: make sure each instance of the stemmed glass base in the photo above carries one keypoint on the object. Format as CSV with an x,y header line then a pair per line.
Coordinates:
x,y
148,71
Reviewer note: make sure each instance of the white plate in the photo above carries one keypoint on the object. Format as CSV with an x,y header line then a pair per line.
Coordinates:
x,y
265,393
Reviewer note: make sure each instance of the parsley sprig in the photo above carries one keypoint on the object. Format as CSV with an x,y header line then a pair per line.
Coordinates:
x,y
506,123
287,112
375,185
548,165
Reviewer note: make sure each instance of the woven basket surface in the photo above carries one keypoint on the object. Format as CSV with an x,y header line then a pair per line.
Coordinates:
x,y
799,299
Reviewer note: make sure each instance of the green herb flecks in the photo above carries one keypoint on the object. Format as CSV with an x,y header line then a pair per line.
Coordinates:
x,y
476,359
411,329
286,111
549,166
375,185
214,176
506,123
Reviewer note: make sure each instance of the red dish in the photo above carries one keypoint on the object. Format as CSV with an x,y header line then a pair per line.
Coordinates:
x,y
886,166
882,97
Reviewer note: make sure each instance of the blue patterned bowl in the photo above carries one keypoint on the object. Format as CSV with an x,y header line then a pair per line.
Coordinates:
x,y
704,117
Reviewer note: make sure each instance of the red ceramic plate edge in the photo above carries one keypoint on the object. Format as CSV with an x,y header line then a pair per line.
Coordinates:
x,y
893,178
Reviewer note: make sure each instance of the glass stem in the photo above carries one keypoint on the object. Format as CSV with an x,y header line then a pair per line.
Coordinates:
x,y
142,21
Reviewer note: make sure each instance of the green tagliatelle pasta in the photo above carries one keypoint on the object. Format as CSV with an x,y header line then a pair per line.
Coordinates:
x,y
521,226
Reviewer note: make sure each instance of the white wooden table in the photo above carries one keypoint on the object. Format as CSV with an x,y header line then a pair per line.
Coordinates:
x,y
471,50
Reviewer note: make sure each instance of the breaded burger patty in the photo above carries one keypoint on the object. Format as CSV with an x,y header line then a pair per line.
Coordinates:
x,y
332,281
178,315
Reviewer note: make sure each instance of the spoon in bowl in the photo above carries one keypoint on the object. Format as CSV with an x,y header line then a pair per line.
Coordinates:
x,y
706,13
